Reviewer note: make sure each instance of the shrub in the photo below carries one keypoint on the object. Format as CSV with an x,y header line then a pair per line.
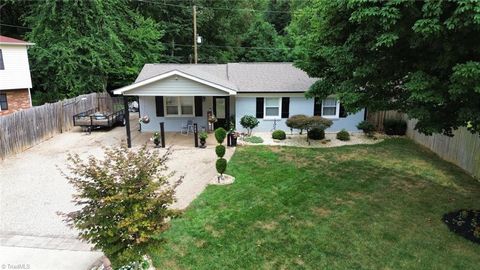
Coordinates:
x,y
124,198
343,135
221,165
298,121
367,127
279,135
316,133
220,150
249,122
319,122
220,134
253,139
303,122
395,127
203,135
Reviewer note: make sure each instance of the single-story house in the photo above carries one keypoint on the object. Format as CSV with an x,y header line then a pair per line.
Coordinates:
x,y
15,80
177,93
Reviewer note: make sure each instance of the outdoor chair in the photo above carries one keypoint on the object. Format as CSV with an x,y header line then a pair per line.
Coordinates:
x,y
187,128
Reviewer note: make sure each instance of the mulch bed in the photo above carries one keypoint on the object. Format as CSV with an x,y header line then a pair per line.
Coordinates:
x,y
465,223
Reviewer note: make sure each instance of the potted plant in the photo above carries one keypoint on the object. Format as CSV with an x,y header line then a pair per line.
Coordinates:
x,y
203,138
232,136
156,139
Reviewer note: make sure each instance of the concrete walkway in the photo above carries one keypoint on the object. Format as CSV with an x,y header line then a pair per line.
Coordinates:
x,y
33,191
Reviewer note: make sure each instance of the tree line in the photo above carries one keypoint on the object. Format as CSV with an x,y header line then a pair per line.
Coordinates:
x,y
88,46
418,57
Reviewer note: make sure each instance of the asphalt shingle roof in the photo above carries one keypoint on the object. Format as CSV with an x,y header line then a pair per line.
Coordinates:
x,y
242,77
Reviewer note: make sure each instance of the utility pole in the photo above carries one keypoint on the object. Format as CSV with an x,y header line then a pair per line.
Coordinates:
x,y
195,56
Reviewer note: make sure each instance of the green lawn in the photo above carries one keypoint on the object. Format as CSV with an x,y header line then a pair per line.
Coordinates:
x,y
357,207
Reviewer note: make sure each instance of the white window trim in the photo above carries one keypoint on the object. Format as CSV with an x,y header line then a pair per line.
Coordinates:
x,y
279,116
179,107
337,110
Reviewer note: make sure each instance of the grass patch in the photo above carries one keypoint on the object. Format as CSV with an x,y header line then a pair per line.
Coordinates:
x,y
354,207
253,139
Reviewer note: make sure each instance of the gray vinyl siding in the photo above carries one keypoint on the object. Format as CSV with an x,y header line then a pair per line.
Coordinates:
x,y
174,124
298,105
177,86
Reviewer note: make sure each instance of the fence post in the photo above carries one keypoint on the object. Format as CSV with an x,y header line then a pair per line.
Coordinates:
x,y
195,134
162,133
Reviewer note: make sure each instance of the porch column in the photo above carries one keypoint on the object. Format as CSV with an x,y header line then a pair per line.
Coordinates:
x,y
227,113
127,121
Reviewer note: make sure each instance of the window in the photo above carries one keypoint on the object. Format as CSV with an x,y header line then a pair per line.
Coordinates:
x,y
272,108
3,102
179,106
186,104
330,108
2,66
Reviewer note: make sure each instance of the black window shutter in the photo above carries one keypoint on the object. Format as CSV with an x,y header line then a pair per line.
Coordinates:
x,y
285,107
159,105
259,107
198,106
317,107
343,113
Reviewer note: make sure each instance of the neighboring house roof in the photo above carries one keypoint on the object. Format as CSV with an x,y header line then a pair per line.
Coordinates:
x,y
12,41
241,77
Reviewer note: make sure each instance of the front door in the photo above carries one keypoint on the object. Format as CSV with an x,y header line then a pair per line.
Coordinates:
x,y
221,110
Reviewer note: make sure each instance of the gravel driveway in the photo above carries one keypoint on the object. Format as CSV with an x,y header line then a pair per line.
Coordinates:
x,y
33,190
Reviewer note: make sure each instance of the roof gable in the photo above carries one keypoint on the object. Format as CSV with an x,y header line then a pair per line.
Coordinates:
x,y
130,89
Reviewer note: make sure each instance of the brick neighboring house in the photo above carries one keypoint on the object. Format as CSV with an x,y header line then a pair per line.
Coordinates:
x,y
15,80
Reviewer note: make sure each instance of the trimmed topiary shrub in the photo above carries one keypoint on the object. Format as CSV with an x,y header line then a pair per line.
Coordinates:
x,y
367,127
319,122
220,150
221,165
343,135
299,121
249,122
279,135
395,127
220,135
316,134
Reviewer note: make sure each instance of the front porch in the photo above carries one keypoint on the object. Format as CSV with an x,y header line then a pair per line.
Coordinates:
x,y
171,139
181,100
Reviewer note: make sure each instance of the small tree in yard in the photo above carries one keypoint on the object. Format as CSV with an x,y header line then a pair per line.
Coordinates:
x,y
299,121
308,123
249,122
125,199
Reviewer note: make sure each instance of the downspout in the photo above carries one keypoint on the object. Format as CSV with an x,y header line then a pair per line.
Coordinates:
x,y
30,96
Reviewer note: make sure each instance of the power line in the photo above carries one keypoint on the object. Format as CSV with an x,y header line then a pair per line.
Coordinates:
x,y
227,46
18,26
219,8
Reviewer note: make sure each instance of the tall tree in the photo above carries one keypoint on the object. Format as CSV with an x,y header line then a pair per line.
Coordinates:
x,y
87,46
262,44
279,14
422,58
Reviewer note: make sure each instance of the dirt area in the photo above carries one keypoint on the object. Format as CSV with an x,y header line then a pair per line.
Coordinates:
x,y
33,189
301,140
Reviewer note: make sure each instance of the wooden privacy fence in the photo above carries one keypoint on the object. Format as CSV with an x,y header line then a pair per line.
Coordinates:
x,y
463,149
26,128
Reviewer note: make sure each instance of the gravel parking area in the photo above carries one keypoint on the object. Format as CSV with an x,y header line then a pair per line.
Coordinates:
x,y
32,189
